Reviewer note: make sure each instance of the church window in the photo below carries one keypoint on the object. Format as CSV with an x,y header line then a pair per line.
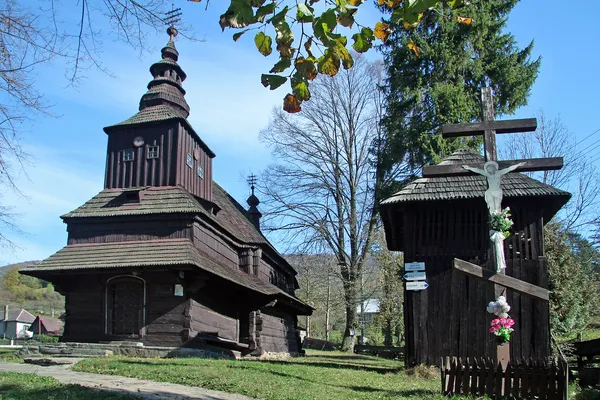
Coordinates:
x,y
200,171
128,155
190,160
152,151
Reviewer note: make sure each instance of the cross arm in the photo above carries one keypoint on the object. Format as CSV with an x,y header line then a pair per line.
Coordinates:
x,y
501,279
532,164
478,128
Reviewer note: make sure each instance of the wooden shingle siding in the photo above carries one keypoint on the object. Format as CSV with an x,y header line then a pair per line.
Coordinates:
x,y
205,320
213,245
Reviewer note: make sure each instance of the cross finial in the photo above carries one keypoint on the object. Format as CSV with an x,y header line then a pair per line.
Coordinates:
x,y
252,181
171,18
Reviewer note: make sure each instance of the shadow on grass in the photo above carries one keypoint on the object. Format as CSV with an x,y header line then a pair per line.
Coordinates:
x,y
13,391
386,393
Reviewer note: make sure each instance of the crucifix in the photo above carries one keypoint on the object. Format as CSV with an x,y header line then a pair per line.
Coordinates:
x,y
493,170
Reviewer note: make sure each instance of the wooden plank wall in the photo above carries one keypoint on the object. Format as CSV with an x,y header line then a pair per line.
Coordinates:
x,y
215,247
278,333
123,230
187,176
84,309
205,320
449,317
142,171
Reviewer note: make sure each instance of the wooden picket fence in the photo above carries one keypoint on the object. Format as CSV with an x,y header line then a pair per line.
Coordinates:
x,y
522,379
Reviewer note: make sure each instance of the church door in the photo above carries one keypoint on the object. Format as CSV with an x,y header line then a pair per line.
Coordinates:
x,y
125,306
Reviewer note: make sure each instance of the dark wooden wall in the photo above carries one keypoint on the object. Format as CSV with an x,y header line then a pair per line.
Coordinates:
x,y
278,332
169,169
215,246
187,176
449,318
142,171
106,230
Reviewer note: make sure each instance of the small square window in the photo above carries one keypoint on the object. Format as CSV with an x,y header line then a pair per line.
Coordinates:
x,y
128,155
152,152
200,171
190,161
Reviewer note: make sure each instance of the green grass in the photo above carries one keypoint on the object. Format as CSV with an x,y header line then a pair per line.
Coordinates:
x,y
10,355
319,375
15,386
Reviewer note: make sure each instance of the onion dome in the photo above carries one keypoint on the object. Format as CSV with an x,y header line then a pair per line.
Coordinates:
x,y
165,89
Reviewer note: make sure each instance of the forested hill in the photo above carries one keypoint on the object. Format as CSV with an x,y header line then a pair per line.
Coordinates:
x,y
21,265
21,291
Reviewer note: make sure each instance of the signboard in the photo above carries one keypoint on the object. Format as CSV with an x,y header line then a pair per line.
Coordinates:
x,y
414,266
418,285
415,276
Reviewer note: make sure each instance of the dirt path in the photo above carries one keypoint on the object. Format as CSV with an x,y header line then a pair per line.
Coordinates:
x,y
129,386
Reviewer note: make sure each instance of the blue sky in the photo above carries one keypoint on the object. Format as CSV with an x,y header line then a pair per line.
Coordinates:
x,y
229,107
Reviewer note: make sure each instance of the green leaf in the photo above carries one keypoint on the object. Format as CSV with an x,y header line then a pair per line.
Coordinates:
x,y
304,13
346,18
238,15
363,40
306,67
279,18
285,39
324,25
342,52
237,35
413,9
272,81
281,66
300,87
264,11
263,43
329,63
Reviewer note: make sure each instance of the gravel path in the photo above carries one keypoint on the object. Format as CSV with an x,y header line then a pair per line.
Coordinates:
x,y
129,386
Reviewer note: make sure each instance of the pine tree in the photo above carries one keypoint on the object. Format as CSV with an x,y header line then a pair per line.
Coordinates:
x,y
573,282
435,73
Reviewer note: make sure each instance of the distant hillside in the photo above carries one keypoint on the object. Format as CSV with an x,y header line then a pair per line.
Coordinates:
x,y
21,265
38,298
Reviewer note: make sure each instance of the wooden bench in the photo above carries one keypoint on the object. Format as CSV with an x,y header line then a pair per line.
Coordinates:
x,y
380,351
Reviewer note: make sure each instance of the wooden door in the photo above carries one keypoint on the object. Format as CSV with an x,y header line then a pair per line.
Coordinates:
x,y
126,307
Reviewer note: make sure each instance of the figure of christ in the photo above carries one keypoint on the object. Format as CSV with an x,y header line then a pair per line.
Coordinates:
x,y
493,194
493,199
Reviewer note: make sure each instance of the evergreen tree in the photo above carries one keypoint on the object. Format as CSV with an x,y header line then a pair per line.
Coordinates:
x,y
436,71
573,282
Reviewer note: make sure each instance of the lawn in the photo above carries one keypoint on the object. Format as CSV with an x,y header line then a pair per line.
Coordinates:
x,y
14,386
319,375
10,355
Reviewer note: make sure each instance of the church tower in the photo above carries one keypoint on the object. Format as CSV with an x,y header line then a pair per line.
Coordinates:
x,y
158,146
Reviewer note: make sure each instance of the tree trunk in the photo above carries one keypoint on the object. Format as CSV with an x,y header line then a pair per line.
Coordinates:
x,y
351,317
388,332
327,306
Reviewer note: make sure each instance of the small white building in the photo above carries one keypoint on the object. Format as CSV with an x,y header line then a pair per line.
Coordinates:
x,y
15,323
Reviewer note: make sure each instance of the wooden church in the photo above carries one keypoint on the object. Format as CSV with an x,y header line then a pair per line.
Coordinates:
x,y
163,255
438,219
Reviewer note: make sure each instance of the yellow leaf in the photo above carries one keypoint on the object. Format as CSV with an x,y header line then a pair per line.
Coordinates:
x,y
382,31
393,3
416,49
464,20
291,104
355,3
381,2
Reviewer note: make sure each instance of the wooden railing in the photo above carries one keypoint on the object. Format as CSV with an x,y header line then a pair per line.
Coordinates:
x,y
522,379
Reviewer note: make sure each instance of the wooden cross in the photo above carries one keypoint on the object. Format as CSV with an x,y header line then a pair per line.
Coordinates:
x,y
489,128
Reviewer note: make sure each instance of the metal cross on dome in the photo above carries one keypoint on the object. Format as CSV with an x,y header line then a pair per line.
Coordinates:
x,y
171,18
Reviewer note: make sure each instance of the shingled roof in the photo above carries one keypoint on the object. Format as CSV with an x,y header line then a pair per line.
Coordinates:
x,y
473,186
153,253
232,217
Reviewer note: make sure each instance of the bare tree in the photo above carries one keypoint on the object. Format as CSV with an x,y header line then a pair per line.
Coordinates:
x,y
35,33
326,183
578,176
